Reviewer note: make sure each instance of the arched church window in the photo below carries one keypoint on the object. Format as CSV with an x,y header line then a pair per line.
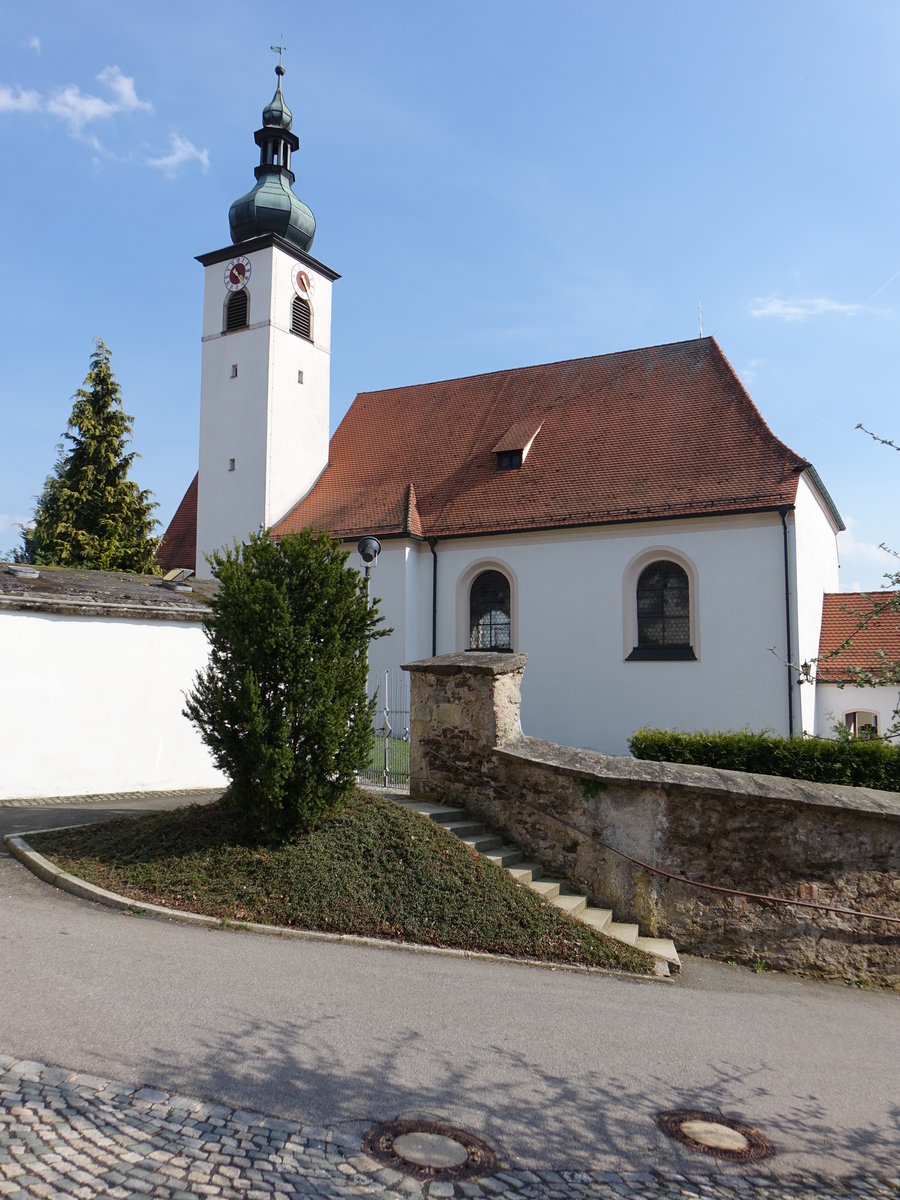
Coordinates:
x,y
237,311
489,612
663,613
301,318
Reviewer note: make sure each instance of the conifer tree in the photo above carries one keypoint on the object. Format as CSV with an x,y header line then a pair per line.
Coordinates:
x,y
90,514
282,701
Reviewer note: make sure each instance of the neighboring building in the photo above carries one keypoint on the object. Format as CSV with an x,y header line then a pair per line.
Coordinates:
x,y
852,641
95,667
628,520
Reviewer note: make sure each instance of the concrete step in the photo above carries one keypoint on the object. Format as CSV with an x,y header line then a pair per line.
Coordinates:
x,y
662,948
442,813
464,829
598,918
505,856
525,872
546,888
573,905
484,843
622,932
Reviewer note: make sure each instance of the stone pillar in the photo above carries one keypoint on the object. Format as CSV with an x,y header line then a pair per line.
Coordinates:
x,y
461,707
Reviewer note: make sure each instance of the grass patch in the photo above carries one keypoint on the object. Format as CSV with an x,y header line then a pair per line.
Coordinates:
x,y
370,867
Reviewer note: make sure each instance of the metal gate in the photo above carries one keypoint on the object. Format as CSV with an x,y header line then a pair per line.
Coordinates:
x,y
389,759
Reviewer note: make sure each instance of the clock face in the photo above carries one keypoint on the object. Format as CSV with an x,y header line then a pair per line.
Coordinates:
x,y
237,273
304,284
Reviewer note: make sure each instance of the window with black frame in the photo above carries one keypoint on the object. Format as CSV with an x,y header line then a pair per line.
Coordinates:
x,y
663,614
489,612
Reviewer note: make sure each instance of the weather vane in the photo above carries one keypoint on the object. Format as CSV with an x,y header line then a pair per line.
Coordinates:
x,y
279,50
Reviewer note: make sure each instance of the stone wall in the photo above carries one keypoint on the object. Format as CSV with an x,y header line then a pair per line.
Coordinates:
x,y
573,810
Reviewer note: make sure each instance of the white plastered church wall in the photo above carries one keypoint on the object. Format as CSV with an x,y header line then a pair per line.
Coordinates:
x,y
568,614
816,572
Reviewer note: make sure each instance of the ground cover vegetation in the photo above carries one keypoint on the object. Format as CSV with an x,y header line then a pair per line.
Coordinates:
x,y
858,762
370,867
90,514
282,702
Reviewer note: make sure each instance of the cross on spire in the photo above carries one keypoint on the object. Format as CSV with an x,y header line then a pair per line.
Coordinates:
x,y
279,50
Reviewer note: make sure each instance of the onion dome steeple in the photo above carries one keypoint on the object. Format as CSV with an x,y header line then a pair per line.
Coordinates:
x,y
271,206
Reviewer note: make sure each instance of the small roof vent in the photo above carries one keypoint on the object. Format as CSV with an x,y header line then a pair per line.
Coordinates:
x,y
24,572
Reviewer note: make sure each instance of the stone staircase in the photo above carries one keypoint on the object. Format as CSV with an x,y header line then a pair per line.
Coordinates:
x,y
531,874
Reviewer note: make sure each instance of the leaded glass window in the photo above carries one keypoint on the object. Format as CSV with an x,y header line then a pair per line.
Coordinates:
x,y
663,612
489,609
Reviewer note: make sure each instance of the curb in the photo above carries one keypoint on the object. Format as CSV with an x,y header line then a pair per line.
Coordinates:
x,y
49,873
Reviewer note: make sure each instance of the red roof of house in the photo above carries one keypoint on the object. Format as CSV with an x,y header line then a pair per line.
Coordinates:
x,y
842,615
642,434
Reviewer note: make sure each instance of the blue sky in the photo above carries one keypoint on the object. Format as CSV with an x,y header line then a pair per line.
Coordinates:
x,y
499,183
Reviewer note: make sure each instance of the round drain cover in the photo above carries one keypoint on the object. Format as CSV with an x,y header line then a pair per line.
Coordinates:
x,y
714,1135
430,1150
711,1133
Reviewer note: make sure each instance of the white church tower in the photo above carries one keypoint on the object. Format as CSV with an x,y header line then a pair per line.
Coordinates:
x,y
266,357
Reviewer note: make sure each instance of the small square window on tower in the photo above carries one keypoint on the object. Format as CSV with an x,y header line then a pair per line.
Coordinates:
x,y
299,376
234,371
231,464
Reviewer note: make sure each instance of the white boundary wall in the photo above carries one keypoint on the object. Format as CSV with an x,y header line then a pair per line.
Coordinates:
x,y
93,705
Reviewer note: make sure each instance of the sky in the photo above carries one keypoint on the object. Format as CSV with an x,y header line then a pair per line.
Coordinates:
x,y
499,183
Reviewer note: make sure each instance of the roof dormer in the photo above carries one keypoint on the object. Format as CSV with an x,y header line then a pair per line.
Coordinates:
x,y
512,449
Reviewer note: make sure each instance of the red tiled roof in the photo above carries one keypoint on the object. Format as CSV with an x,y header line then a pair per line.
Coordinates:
x,y
842,613
665,431
178,547
660,432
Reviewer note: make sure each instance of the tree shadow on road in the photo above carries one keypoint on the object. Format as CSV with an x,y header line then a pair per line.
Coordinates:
x,y
599,1120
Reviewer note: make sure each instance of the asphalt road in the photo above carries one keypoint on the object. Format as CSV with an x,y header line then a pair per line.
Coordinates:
x,y
556,1069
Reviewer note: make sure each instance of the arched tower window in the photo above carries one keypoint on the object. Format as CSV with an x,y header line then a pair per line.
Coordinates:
x,y
663,613
237,311
301,318
490,627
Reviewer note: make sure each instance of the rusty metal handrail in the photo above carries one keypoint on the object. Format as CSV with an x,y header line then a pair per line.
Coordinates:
x,y
695,883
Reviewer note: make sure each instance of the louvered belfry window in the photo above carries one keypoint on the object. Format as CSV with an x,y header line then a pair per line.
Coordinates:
x,y
236,311
301,318
663,607
489,609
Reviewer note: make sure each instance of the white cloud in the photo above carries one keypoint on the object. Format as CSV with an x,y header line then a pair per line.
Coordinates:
x,y
34,43
181,151
748,372
79,108
18,101
799,310
122,87
863,558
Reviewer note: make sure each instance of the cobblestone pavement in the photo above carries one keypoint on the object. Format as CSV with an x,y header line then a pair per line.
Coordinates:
x,y
66,1135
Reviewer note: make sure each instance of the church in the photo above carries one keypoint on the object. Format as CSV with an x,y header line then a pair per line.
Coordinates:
x,y
627,520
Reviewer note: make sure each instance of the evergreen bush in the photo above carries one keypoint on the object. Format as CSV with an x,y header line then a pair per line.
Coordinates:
x,y
282,703
859,763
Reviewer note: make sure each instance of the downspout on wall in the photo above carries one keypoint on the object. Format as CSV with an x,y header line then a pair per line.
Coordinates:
x,y
782,512
432,542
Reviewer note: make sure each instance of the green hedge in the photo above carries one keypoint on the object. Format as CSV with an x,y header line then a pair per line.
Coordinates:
x,y
872,764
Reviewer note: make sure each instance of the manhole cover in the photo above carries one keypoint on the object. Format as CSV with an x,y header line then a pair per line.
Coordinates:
x,y
428,1150
710,1133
